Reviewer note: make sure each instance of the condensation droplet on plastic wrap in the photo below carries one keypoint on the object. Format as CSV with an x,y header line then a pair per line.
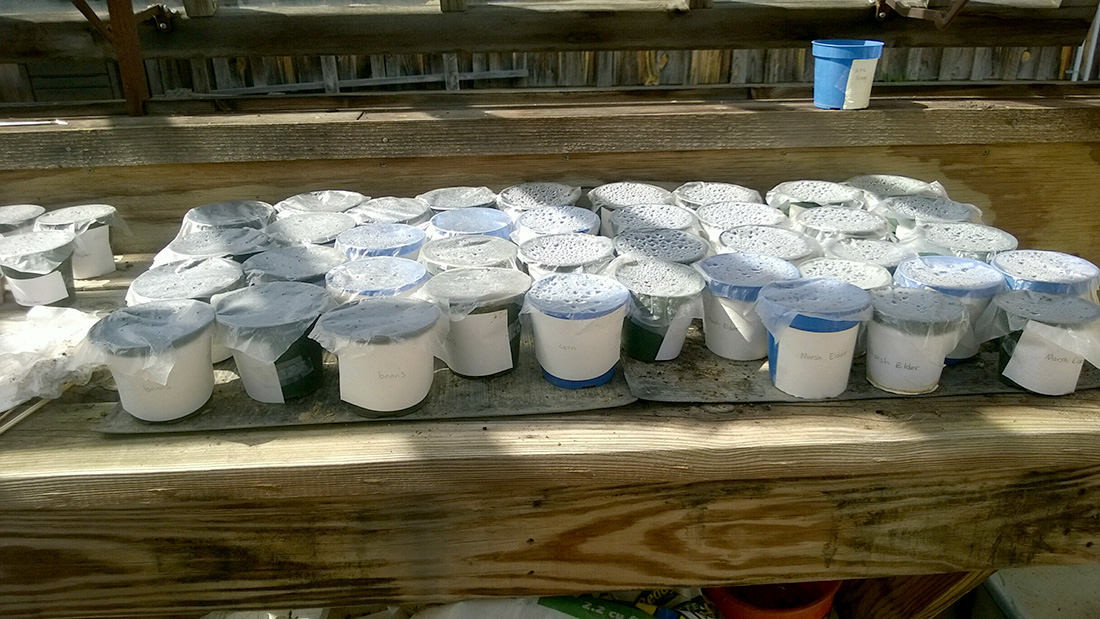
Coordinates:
x,y
324,201
955,276
468,251
628,193
558,220
874,251
839,222
577,295
814,192
315,228
526,196
657,278
567,250
726,215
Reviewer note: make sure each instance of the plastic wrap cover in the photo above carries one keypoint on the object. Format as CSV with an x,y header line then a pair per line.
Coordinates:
x,y
726,215
958,277
380,276
1048,271
779,303
309,228
325,201
963,239
229,214
628,193
1067,321
559,220
562,252
814,193
469,221
668,245
459,292
447,198
263,321
146,337
576,296
920,312
830,222
468,251
78,219
196,279
214,243
883,253
862,274
390,210
380,240
526,196
19,215
301,263
779,242
374,322
36,252
740,276
701,193
652,217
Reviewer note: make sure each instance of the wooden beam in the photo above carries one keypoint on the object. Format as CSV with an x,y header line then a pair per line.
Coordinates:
x,y
493,28
131,66
538,130
639,497
912,597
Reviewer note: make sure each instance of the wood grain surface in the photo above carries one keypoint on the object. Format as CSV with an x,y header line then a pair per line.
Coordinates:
x,y
912,597
430,511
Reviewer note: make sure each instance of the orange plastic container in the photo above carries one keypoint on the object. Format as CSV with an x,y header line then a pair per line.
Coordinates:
x,y
800,600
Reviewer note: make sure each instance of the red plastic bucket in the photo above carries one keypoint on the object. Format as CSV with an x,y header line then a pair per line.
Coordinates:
x,y
800,600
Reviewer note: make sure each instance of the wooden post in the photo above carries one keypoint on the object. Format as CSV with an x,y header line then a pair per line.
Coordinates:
x,y
135,86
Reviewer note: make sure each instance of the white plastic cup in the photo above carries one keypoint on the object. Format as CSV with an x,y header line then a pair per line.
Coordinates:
x,y
387,377
606,199
190,384
1039,365
92,254
814,358
731,326
906,363
577,320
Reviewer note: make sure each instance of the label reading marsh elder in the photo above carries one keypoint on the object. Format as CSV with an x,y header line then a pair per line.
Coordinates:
x,y
814,365
1042,366
857,93
44,290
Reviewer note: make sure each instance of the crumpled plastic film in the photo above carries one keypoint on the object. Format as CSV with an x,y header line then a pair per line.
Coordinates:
x,y
36,252
378,321
300,263
833,222
958,277
263,321
470,221
555,220
568,253
662,293
18,217
468,251
37,353
740,276
78,219
628,193
725,215
1067,321
447,198
905,212
324,201
460,292
779,304
883,253
701,193
143,339
814,193
920,312
228,214
380,276
193,279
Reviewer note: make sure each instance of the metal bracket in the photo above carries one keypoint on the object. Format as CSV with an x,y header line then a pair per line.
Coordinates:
x,y
160,15
941,17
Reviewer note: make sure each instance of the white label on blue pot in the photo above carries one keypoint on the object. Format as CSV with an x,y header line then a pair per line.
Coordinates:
x,y
261,380
1041,365
814,365
39,290
478,345
857,94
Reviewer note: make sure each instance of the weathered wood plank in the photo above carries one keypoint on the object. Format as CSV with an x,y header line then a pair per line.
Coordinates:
x,y
912,597
15,85
649,496
273,31
689,127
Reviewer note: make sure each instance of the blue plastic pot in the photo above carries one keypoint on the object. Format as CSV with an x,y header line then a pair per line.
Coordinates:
x,y
843,72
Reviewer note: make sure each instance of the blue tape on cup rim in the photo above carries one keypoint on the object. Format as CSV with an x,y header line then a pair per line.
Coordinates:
x,y
1047,271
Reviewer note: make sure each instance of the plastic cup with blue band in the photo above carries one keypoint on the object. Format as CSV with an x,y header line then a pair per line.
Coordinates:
x,y
577,321
731,326
471,221
974,283
911,333
812,329
1048,271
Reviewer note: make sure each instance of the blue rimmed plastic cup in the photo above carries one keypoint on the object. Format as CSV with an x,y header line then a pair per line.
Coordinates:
x,y
843,72
812,327
1048,271
731,327
972,282
577,320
